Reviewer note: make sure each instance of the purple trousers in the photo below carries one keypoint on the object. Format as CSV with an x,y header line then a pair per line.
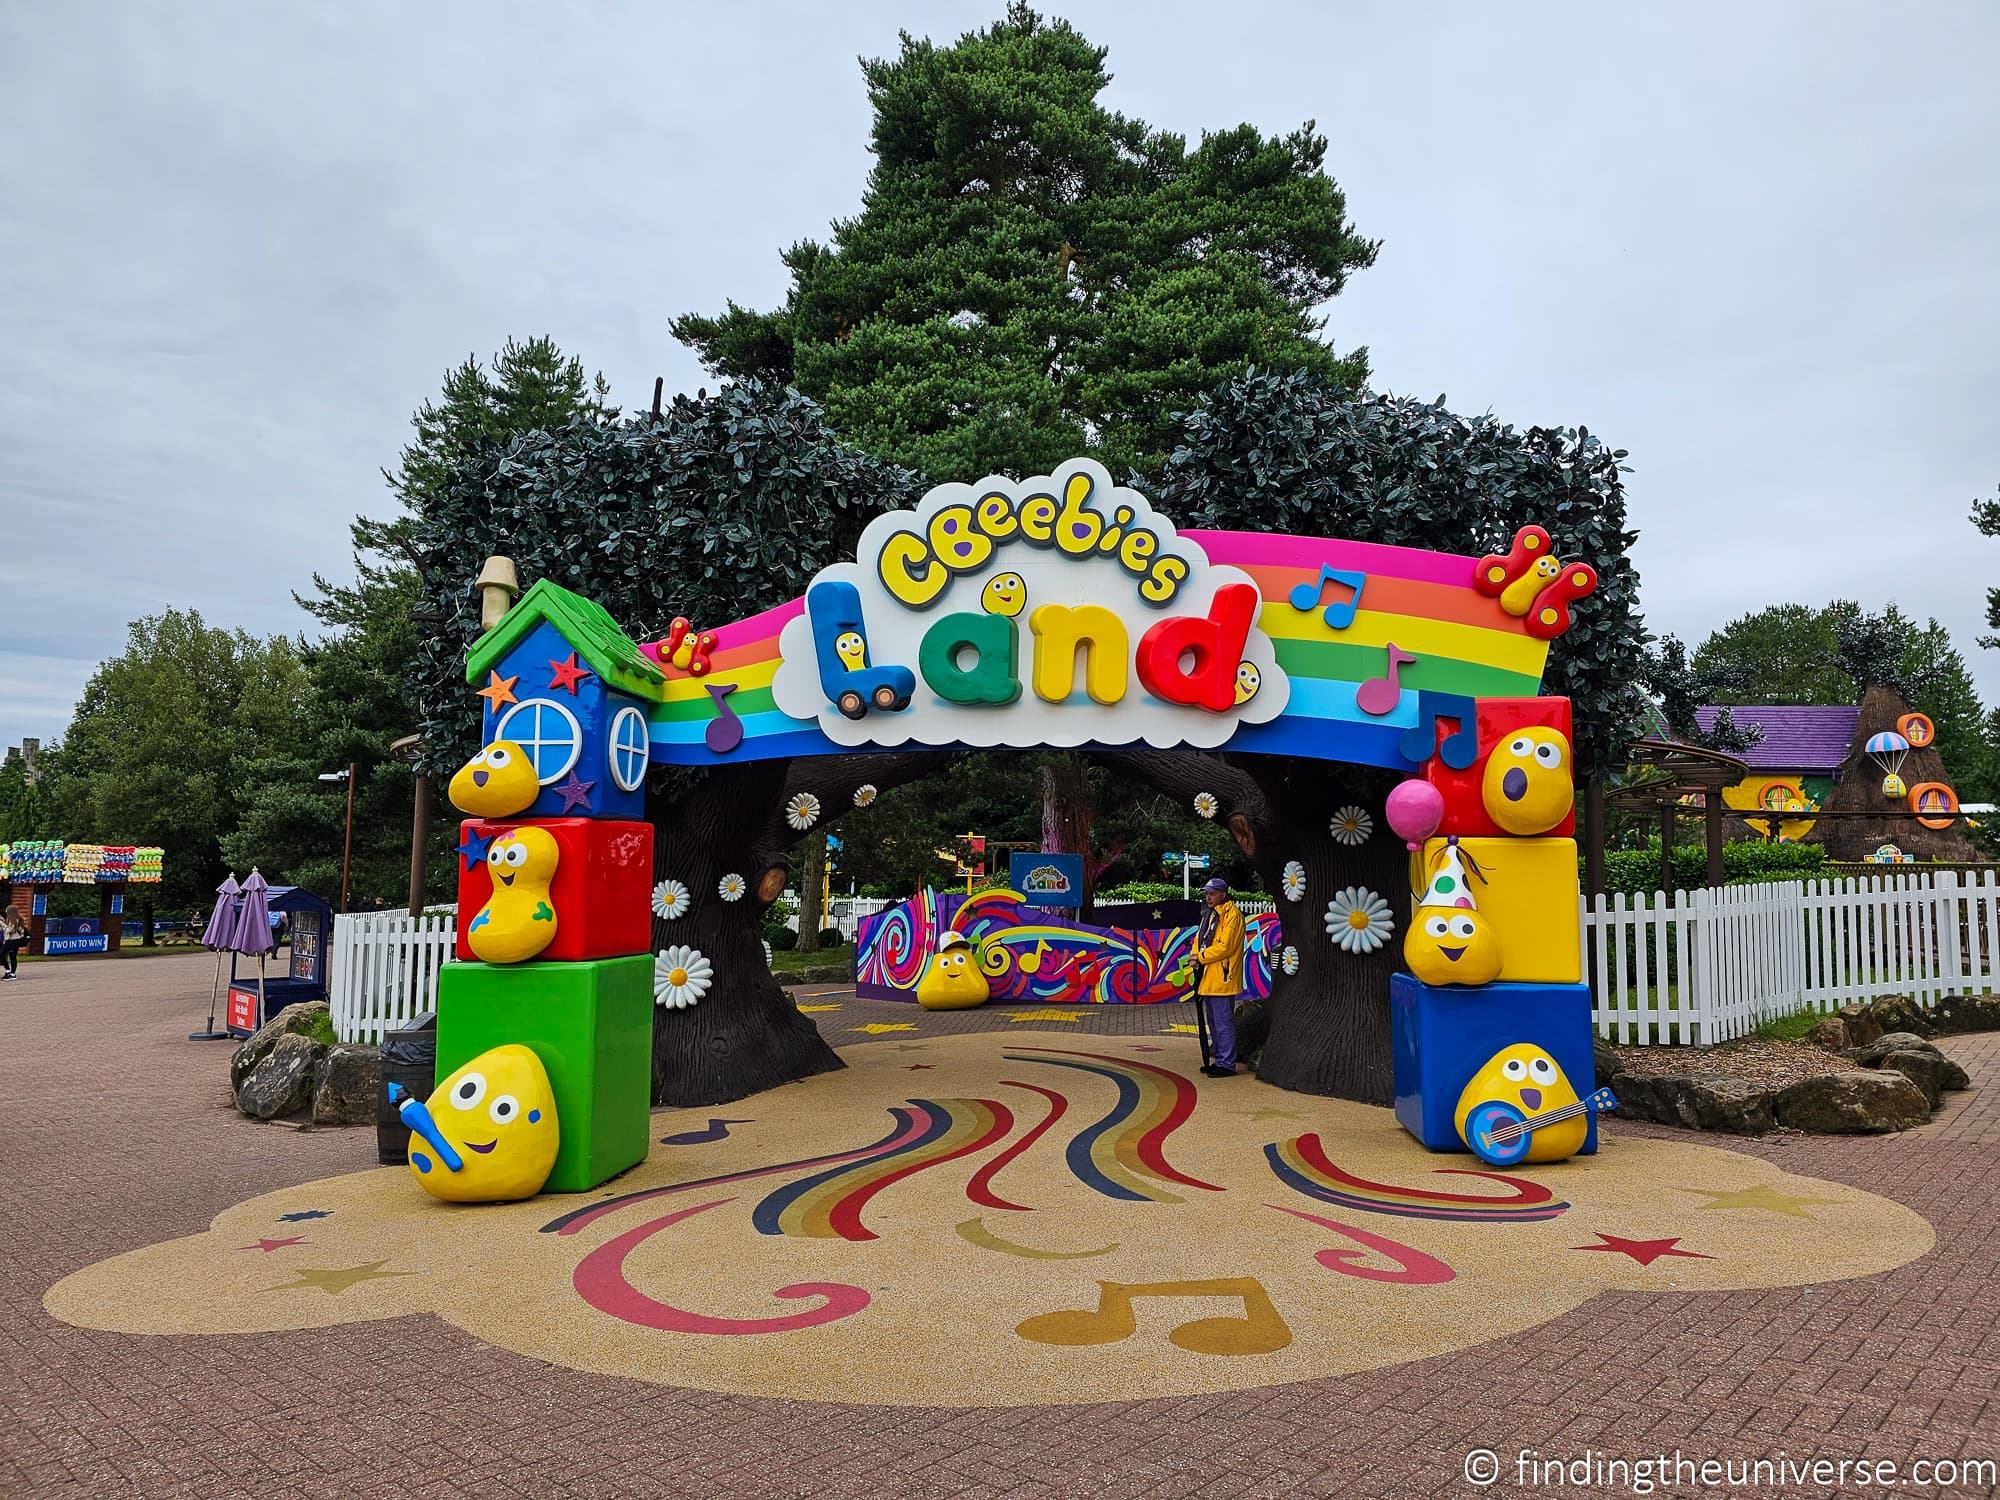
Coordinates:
x,y
1221,1011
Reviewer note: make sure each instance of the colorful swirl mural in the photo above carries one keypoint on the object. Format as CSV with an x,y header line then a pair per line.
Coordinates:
x,y
1302,1163
1031,956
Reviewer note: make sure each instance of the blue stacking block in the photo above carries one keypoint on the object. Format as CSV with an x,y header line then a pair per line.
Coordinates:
x,y
1442,1034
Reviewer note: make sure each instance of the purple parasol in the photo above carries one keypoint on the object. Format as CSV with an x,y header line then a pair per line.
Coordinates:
x,y
250,931
216,934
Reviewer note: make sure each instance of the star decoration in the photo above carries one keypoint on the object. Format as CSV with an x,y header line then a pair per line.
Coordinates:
x,y
1643,1251
575,793
498,691
1182,1028
305,1213
913,1046
1763,1195
876,1028
474,849
1277,1114
267,1246
813,1009
919,1067
334,1282
1149,1049
1046,1015
567,674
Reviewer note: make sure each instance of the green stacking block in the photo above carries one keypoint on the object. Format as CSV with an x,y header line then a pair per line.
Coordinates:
x,y
592,1026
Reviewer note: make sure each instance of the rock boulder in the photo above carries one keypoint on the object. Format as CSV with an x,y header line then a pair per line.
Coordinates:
x,y
1862,1027
1830,1032
283,1081
1956,1013
1900,1013
345,1084
291,1021
1734,1105
1854,1101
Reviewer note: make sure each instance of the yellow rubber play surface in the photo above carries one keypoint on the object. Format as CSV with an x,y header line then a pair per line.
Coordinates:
x,y
1010,1218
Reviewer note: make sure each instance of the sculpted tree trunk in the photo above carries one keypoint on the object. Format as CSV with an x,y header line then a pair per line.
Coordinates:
x,y
812,891
745,1034
1329,1022
1068,811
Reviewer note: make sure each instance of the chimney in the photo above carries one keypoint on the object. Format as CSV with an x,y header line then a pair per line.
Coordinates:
x,y
499,585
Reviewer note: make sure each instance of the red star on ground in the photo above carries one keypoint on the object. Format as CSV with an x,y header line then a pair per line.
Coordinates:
x,y
567,674
498,690
1643,1251
267,1246
917,1067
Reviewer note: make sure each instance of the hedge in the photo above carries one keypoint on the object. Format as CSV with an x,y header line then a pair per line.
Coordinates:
x,y
1747,862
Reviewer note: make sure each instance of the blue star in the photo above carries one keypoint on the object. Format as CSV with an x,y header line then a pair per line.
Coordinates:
x,y
575,793
306,1213
474,849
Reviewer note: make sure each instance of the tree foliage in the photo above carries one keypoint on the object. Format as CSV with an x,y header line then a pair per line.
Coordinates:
x,y
1032,275
1289,452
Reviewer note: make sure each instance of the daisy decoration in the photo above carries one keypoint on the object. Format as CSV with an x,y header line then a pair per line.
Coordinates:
x,y
1289,959
1294,881
681,976
1352,825
731,887
864,795
802,811
1205,804
1358,920
670,900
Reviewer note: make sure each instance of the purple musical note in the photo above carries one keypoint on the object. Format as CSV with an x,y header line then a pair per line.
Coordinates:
x,y
1380,695
725,730
718,1129
1340,613
1460,748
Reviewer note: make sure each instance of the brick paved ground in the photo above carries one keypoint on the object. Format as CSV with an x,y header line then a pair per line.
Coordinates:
x,y
116,1133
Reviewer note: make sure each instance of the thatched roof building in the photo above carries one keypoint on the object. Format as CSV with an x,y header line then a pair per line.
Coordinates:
x,y
1857,789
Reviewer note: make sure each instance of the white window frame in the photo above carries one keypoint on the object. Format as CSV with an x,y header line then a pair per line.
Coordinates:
x,y
612,749
575,737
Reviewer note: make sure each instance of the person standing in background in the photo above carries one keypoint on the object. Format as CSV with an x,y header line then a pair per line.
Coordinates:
x,y
1218,948
13,933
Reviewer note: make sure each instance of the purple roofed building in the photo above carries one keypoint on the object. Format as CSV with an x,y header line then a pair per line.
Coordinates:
x,y
1807,739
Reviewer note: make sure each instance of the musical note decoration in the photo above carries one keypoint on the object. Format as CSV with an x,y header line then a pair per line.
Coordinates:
x,y
725,730
1339,614
718,1129
1461,745
1031,962
1260,1329
1380,695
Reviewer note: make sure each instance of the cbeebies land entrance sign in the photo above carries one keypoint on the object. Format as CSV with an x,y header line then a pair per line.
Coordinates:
x,y
1056,611
1065,611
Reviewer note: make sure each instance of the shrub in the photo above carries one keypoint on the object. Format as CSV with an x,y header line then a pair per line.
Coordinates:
x,y
831,937
781,938
1746,862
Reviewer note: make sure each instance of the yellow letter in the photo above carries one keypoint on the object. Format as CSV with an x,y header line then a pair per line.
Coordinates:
x,y
1164,581
996,516
908,570
1060,632
1137,551
1080,526
1038,515
956,544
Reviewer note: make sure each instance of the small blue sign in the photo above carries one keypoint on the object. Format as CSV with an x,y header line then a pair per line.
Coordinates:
x,y
1047,879
77,943
41,908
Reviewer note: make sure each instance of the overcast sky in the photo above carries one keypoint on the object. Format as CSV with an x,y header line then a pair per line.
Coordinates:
x,y
1757,246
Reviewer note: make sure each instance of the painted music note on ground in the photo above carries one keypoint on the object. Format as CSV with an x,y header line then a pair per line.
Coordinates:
x,y
1258,1330
1461,746
718,1129
725,730
1380,695
1340,613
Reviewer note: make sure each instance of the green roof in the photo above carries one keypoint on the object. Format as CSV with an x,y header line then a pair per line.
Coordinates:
x,y
585,624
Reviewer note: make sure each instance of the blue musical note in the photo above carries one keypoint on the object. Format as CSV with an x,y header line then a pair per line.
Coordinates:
x,y
1460,748
1340,613
718,1129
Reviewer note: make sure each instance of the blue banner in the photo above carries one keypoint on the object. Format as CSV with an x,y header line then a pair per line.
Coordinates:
x,y
1046,879
80,943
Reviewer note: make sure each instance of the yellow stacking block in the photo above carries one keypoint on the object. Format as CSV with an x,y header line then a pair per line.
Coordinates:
x,y
1528,898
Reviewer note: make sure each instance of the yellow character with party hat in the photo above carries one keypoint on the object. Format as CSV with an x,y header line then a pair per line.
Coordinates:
x,y
1448,942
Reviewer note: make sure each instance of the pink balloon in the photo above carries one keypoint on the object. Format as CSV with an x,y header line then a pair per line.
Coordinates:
x,y
1415,808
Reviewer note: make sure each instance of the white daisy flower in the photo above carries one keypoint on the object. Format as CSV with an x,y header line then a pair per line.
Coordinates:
x,y
1289,959
670,900
770,958
681,976
863,795
731,887
1358,920
1352,825
802,811
1205,804
1294,881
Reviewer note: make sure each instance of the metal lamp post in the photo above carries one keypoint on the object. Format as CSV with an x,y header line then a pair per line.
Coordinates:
x,y
351,775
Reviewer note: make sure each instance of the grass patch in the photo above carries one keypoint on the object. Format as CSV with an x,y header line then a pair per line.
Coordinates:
x,y
790,961
1791,1028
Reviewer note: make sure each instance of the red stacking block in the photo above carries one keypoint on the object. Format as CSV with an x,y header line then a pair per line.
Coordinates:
x,y
602,891
1499,718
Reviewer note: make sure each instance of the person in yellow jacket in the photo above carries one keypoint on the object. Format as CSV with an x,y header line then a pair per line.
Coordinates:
x,y
1218,948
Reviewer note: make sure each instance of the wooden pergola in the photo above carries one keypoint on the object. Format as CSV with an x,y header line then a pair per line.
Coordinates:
x,y
1665,774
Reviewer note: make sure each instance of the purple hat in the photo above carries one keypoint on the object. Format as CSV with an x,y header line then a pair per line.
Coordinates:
x,y
1216,883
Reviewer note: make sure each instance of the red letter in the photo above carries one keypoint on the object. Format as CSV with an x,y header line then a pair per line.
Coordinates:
x,y
1217,643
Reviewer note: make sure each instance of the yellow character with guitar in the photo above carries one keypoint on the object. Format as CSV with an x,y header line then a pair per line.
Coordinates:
x,y
1521,1107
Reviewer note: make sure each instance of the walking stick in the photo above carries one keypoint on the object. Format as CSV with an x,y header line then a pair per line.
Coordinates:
x,y
1201,1019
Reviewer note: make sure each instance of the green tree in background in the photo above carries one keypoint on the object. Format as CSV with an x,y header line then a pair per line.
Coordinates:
x,y
1032,275
152,754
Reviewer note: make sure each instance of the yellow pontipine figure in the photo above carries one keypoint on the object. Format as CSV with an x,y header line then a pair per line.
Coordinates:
x,y
1524,1081
1528,787
952,981
489,1133
1004,594
519,920
496,783
1448,942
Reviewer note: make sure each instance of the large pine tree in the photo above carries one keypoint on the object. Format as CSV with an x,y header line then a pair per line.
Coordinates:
x,y
1032,275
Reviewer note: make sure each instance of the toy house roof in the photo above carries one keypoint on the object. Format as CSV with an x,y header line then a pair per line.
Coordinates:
x,y
585,624
1797,736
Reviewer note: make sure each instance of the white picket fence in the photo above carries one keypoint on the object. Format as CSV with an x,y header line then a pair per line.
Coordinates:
x,y
1696,966
385,969
1706,965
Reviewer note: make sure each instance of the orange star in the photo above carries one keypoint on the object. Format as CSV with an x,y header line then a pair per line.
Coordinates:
x,y
567,674
498,690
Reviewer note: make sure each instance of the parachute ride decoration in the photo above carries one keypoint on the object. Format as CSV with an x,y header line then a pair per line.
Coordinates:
x,y
1887,750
